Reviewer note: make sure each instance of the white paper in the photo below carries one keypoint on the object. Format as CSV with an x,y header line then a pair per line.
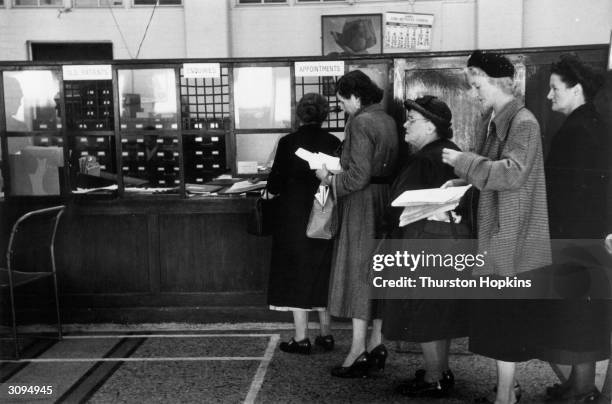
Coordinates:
x,y
430,196
316,160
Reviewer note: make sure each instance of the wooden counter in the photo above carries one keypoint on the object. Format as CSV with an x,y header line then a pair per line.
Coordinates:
x,y
166,252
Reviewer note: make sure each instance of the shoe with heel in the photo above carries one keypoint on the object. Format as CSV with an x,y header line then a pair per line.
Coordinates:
x,y
359,368
378,357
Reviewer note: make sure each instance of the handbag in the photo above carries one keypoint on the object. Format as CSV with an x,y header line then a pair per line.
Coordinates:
x,y
261,219
322,222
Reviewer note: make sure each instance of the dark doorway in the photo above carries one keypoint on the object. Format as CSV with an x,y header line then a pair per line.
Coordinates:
x,y
71,51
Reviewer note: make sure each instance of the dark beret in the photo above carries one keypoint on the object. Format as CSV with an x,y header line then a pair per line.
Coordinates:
x,y
493,64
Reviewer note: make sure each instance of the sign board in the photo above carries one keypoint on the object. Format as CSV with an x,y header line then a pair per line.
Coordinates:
x,y
87,72
201,70
319,69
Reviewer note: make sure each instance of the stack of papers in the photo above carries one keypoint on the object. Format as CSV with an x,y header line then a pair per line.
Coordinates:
x,y
322,194
316,160
202,188
89,190
244,186
422,203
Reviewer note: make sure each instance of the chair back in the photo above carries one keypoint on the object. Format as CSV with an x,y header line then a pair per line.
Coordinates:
x,y
31,233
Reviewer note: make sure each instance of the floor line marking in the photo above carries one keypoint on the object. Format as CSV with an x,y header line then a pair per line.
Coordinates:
x,y
261,370
164,336
132,359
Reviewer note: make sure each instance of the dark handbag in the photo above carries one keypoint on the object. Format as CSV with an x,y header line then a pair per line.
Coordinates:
x,y
322,222
261,219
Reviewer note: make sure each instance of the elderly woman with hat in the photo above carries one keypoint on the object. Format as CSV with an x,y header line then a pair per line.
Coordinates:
x,y
432,323
512,219
300,266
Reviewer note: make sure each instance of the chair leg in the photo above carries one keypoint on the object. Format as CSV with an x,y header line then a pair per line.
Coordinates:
x,y
14,320
57,309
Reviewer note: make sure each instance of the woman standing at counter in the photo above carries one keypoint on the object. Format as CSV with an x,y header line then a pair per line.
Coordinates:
x,y
432,323
368,160
299,273
512,219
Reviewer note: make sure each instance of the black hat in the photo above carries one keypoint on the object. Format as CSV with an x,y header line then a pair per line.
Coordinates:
x,y
431,108
493,64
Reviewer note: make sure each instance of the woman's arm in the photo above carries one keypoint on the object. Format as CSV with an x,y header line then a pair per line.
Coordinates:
x,y
513,167
359,171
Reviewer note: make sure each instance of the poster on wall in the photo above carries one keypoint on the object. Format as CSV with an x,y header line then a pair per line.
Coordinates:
x,y
351,34
408,32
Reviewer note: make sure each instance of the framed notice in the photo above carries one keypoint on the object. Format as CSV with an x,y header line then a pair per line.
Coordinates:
x,y
407,32
351,34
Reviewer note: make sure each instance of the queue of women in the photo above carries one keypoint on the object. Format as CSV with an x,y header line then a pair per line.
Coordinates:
x,y
518,201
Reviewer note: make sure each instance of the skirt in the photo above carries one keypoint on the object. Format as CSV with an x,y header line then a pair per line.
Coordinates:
x,y
425,320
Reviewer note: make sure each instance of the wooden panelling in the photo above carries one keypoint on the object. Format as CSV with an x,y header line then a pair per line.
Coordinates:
x,y
211,253
103,254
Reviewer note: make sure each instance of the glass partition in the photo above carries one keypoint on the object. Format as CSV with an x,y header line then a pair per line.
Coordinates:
x,y
31,100
36,163
148,99
262,97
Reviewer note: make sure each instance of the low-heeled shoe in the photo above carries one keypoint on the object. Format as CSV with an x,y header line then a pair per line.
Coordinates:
x,y
418,387
302,347
359,368
325,341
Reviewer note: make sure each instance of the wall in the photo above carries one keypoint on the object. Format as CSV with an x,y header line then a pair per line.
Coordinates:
x,y
220,28
165,38
567,22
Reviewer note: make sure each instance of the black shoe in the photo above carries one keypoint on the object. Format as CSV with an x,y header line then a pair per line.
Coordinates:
x,y
591,397
359,368
326,342
418,387
558,390
302,347
518,393
378,357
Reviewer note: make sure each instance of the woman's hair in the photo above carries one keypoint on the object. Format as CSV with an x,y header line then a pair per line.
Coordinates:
x,y
507,84
357,83
312,108
572,71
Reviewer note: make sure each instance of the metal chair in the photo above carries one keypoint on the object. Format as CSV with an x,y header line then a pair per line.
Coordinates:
x,y
31,239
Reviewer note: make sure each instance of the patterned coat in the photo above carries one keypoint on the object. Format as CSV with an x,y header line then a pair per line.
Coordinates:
x,y
370,150
508,169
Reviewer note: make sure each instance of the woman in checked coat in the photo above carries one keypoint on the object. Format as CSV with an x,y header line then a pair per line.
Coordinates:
x,y
512,218
368,160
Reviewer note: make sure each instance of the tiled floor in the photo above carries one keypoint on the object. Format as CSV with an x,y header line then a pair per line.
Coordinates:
x,y
178,363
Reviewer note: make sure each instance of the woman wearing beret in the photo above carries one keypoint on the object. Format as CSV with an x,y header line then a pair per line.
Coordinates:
x,y
299,272
512,220
432,323
577,172
368,159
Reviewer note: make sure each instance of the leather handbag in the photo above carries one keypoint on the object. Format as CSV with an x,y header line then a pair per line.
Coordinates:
x,y
322,223
261,219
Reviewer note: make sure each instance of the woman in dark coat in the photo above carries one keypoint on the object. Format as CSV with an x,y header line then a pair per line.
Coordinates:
x,y
299,273
368,159
433,323
576,176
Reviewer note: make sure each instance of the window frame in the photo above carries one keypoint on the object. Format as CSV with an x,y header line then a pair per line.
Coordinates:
x,y
15,5
134,5
101,4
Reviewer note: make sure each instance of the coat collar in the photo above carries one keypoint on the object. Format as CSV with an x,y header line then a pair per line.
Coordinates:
x,y
503,119
369,108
